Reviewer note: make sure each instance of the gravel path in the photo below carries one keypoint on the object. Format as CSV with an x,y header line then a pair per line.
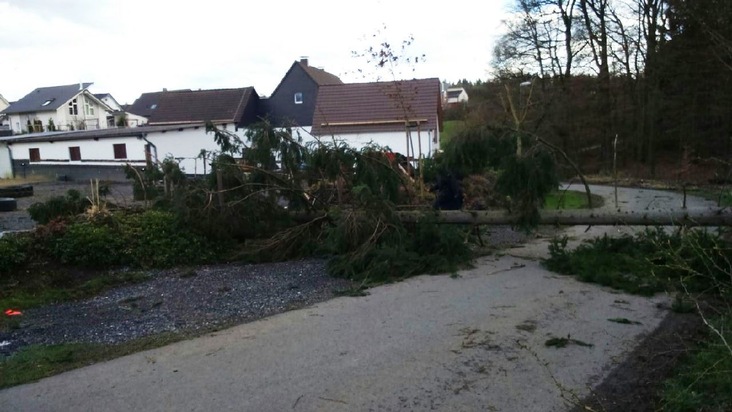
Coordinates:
x,y
181,300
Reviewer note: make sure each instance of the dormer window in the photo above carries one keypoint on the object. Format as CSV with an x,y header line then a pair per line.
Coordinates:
x,y
153,106
47,102
298,98
73,108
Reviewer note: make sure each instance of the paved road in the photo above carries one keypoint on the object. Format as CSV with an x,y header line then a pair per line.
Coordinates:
x,y
475,342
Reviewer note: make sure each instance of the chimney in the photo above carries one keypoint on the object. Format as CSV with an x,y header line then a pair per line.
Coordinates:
x,y
304,60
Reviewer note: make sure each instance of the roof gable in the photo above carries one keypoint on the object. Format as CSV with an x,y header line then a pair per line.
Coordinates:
x,y
377,107
186,106
45,99
319,76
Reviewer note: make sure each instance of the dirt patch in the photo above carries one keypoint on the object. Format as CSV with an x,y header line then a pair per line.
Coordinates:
x,y
635,384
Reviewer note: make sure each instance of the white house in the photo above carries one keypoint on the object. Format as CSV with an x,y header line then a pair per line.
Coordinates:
x,y
3,118
405,116
177,130
455,95
3,103
119,117
69,107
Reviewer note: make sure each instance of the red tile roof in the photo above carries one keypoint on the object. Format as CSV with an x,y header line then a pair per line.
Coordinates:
x,y
320,76
186,106
377,107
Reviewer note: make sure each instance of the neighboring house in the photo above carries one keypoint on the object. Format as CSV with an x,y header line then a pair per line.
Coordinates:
x,y
405,116
81,154
119,117
293,101
455,95
69,107
3,103
4,126
176,128
229,109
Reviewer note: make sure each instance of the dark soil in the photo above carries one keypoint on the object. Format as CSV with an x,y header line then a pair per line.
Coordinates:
x,y
635,384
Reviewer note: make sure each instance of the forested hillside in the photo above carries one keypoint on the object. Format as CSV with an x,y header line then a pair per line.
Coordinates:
x,y
656,74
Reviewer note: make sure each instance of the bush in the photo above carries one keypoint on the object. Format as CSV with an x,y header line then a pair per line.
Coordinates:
x,y
149,239
12,252
651,261
90,245
70,205
156,239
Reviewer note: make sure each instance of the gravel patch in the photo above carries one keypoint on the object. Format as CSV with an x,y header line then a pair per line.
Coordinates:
x,y
180,301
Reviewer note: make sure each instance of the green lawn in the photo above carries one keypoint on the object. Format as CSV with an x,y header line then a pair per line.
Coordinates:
x,y
570,199
723,196
449,129
39,361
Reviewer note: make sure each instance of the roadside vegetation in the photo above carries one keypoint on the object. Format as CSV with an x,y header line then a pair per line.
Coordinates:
x,y
695,266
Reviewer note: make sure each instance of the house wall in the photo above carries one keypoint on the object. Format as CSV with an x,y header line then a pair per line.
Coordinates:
x,y
186,145
97,152
97,158
281,106
396,141
111,172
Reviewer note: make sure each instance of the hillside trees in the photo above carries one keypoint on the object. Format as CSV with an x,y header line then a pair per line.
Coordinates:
x,y
654,73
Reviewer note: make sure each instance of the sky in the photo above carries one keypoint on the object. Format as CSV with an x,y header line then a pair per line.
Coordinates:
x,y
128,47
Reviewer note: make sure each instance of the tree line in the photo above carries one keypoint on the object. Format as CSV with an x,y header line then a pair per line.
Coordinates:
x,y
651,79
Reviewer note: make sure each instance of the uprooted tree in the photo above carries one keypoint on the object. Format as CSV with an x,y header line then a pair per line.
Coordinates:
x,y
275,197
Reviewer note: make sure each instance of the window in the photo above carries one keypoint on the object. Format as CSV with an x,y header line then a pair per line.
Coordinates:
x,y
120,151
37,125
88,108
47,102
73,108
298,98
153,106
75,153
34,154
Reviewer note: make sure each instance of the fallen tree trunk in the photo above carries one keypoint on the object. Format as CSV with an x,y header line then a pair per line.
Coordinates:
x,y
690,217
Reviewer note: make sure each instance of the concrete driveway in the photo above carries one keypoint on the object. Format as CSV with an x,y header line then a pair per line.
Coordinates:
x,y
471,342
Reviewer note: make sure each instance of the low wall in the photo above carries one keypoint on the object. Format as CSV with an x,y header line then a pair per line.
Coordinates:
x,y
70,172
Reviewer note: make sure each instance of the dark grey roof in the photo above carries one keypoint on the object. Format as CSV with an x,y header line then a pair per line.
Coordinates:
x,y
145,104
95,134
217,105
55,95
